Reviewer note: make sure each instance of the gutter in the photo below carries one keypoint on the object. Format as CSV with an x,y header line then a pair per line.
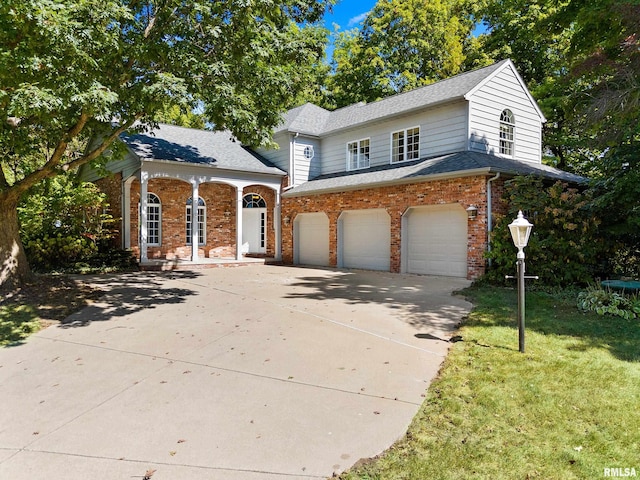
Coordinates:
x,y
401,181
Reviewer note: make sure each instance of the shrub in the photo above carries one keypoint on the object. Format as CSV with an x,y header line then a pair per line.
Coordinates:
x,y
66,227
607,302
54,253
564,248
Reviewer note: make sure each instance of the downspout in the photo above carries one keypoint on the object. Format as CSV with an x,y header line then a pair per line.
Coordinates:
x,y
292,166
489,214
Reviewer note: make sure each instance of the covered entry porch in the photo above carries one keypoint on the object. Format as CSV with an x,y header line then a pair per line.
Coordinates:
x,y
236,216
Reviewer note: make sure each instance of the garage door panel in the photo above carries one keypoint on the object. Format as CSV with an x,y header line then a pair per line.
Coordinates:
x,y
437,240
366,239
312,239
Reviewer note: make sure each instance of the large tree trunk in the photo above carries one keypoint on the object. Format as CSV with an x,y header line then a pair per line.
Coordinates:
x,y
14,269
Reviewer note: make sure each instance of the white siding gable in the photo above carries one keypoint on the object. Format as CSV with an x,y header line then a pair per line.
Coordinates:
x,y
305,168
505,90
280,156
291,156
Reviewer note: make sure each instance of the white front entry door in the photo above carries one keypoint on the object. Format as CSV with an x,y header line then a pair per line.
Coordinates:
x,y
254,230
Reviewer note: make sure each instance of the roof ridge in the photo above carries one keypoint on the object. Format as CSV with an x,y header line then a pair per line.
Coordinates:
x,y
494,66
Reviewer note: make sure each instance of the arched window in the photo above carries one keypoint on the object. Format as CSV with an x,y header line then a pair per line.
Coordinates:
x,y
201,221
154,219
253,200
507,126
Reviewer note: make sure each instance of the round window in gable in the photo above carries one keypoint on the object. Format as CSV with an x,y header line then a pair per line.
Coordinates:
x,y
308,152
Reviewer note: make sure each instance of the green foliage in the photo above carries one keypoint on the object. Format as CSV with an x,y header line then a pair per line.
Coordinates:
x,y
581,61
607,302
616,199
183,117
78,70
65,227
564,247
53,253
403,44
17,322
58,207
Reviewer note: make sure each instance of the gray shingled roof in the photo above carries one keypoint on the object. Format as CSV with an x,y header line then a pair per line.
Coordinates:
x,y
312,120
308,119
451,166
203,147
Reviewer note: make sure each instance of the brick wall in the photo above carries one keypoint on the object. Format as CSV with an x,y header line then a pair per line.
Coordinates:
x,y
221,215
220,202
396,200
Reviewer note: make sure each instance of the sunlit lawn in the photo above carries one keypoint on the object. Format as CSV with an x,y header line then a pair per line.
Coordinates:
x,y
17,322
567,408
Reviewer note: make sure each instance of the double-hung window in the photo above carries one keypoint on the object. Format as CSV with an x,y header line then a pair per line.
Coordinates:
x,y
200,221
507,126
358,154
405,145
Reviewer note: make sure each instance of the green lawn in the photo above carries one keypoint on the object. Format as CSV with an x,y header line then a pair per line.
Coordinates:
x,y
17,322
566,409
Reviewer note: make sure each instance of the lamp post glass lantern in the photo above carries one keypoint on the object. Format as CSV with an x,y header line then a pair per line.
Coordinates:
x,y
520,230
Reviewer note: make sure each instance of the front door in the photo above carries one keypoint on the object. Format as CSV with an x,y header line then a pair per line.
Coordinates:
x,y
254,224
254,221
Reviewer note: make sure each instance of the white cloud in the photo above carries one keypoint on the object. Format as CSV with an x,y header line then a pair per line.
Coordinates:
x,y
357,19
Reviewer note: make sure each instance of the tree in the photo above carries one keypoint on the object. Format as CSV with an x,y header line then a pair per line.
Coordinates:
x,y
403,44
581,60
81,69
564,242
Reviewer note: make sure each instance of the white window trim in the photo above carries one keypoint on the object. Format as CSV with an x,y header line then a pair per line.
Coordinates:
x,y
204,222
308,152
513,133
358,142
404,155
159,205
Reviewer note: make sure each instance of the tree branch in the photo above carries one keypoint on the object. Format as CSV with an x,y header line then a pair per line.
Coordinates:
x,y
99,150
54,160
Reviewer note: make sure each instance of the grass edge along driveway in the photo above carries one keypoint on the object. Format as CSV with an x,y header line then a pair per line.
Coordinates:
x,y
567,408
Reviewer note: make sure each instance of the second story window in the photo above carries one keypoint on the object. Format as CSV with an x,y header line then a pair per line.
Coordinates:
x,y
358,154
507,125
405,145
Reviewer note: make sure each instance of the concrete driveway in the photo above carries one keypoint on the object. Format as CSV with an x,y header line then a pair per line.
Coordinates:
x,y
255,372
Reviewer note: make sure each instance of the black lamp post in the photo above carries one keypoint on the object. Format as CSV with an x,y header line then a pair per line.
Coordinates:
x,y
520,230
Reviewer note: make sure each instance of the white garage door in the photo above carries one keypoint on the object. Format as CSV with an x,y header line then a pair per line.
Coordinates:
x,y
436,240
365,239
311,237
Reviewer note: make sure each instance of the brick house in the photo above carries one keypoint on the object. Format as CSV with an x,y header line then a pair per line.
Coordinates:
x,y
405,184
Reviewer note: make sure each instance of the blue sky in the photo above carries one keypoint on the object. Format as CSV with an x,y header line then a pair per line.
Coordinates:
x,y
347,14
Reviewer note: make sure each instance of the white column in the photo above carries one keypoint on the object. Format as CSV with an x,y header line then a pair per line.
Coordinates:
x,y
194,221
277,221
126,213
143,217
239,191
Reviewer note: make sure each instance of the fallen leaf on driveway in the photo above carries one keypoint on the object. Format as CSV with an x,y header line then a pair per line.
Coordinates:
x,y
148,474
